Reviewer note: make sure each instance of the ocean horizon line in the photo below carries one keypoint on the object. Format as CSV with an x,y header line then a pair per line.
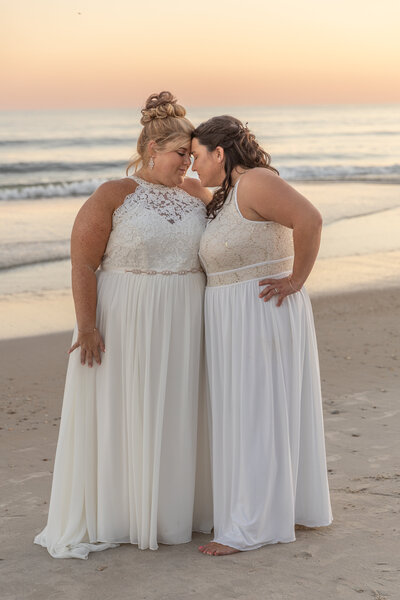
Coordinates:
x,y
189,107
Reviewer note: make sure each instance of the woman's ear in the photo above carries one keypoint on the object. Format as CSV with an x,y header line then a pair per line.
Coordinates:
x,y
152,148
219,154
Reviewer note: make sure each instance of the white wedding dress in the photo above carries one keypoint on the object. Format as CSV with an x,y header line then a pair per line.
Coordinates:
x,y
125,464
268,450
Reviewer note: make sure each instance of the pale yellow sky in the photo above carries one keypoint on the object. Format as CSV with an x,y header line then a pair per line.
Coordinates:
x,y
98,53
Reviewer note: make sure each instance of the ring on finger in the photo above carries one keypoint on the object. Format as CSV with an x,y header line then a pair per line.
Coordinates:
x,y
276,290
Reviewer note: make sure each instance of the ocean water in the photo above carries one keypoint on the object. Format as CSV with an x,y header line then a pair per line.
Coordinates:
x,y
345,159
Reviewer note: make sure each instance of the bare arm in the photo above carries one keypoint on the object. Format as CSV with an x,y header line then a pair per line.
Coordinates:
x,y
270,198
89,239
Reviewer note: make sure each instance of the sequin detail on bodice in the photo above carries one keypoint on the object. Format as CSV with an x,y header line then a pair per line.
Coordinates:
x,y
235,249
157,229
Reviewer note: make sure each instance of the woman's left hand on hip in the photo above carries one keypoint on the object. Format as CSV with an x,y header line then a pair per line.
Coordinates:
x,y
276,287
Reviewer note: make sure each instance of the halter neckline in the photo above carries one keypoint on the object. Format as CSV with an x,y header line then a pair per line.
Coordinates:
x,y
150,183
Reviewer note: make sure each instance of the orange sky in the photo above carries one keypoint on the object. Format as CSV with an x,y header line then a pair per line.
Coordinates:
x,y
98,53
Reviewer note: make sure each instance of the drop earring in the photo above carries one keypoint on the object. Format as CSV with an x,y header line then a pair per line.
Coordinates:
x,y
151,162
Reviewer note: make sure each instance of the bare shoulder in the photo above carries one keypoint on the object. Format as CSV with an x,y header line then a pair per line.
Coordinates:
x,y
263,193
111,194
260,179
193,187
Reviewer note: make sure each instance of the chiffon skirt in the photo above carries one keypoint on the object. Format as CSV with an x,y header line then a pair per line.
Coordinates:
x,y
125,467
268,450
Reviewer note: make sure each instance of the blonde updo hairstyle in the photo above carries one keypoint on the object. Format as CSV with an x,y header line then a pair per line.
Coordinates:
x,y
164,122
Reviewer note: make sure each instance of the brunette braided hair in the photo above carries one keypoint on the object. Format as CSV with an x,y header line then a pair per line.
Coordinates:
x,y
240,149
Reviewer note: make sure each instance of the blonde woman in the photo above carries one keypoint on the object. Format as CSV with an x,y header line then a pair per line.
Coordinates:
x,y
126,456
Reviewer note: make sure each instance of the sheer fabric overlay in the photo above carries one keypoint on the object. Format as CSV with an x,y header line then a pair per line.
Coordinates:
x,y
128,467
268,448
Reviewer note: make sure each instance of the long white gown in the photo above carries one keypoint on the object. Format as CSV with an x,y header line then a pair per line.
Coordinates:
x,y
125,464
268,450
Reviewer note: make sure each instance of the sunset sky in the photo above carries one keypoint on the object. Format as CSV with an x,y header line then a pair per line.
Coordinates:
x,y
98,53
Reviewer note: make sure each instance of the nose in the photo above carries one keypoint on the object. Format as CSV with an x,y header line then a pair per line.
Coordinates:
x,y
186,159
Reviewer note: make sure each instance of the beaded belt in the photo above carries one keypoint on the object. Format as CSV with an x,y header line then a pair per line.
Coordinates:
x,y
184,272
152,272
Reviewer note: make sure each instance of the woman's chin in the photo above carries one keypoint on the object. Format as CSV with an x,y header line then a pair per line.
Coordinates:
x,y
203,181
209,182
180,178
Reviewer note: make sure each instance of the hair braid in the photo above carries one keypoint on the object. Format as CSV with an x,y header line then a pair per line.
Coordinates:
x,y
241,148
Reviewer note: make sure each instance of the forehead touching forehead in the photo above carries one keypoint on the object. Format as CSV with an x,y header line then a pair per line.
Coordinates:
x,y
196,146
179,145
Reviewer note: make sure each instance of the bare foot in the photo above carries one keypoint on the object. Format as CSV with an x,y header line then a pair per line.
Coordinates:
x,y
215,549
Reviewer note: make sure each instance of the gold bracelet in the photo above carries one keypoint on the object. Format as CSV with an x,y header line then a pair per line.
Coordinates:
x,y
291,284
85,332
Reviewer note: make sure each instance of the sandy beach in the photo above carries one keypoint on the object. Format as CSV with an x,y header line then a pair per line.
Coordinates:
x,y
356,557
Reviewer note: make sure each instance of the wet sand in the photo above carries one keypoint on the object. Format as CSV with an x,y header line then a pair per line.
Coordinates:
x,y
356,557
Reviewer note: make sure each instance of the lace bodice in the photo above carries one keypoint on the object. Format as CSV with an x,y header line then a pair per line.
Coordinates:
x,y
156,229
234,249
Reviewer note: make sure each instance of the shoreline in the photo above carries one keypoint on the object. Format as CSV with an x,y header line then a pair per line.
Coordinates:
x,y
28,314
359,251
357,337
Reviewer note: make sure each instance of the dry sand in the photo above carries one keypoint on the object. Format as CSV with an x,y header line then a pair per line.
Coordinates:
x,y
356,557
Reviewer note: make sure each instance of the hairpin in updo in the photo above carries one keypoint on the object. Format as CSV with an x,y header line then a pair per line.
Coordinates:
x,y
244,128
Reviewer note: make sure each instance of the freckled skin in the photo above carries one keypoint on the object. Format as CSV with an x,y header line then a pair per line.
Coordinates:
x,y
92,229
89,239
